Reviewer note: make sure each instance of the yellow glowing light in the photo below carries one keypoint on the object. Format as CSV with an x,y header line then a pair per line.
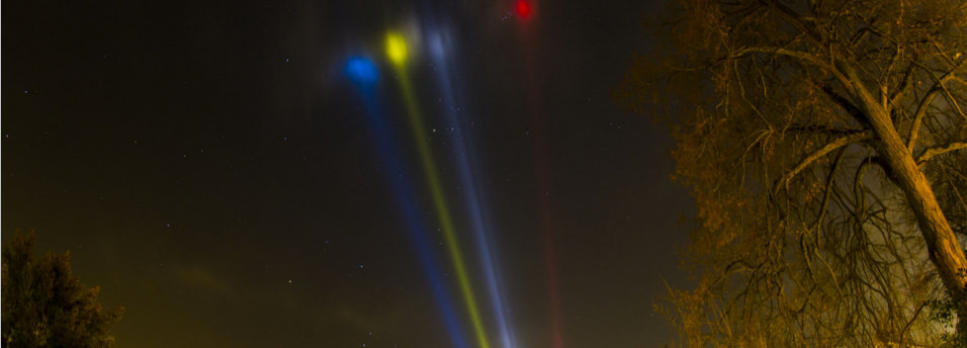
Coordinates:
x,y
396,48
418,128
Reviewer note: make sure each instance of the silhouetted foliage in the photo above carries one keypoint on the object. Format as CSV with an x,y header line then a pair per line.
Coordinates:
x,y
44,305
823,142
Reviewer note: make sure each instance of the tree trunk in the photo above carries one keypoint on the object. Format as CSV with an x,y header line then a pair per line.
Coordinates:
x,y
942,244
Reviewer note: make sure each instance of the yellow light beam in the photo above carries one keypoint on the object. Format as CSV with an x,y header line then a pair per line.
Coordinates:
x,y
396,49
397,52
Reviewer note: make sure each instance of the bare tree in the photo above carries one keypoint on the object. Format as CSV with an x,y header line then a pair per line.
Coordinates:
x,y
815,137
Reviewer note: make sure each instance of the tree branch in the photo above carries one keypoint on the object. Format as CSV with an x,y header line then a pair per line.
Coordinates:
x,y
785,52
795,20
821,130
939,150
846,104
804,56
904,84
823,151
938,87
918,118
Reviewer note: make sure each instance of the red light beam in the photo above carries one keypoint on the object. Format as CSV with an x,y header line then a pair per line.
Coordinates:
x,y
523,8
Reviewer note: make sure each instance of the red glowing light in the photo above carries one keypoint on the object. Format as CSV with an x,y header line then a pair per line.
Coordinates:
x,y
523,8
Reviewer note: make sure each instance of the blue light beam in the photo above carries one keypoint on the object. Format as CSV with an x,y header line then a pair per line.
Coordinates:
x,y
441,51
365,76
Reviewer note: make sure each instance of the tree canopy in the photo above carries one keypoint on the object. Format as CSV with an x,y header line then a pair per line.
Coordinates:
x,y
44,305
824,144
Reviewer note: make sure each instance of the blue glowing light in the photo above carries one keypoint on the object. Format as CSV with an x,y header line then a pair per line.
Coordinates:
x,y
437,45
441,48
362,70
364,73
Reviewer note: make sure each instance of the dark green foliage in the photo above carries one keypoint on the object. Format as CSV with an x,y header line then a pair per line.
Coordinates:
x,y
44,305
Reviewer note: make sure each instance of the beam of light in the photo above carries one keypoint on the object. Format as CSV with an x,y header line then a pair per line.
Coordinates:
x,y
395,44
365,76
396,48
441,53
523,8
542,160
362,72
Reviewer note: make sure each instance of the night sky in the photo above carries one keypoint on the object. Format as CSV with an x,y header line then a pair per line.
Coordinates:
x,y
219,169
